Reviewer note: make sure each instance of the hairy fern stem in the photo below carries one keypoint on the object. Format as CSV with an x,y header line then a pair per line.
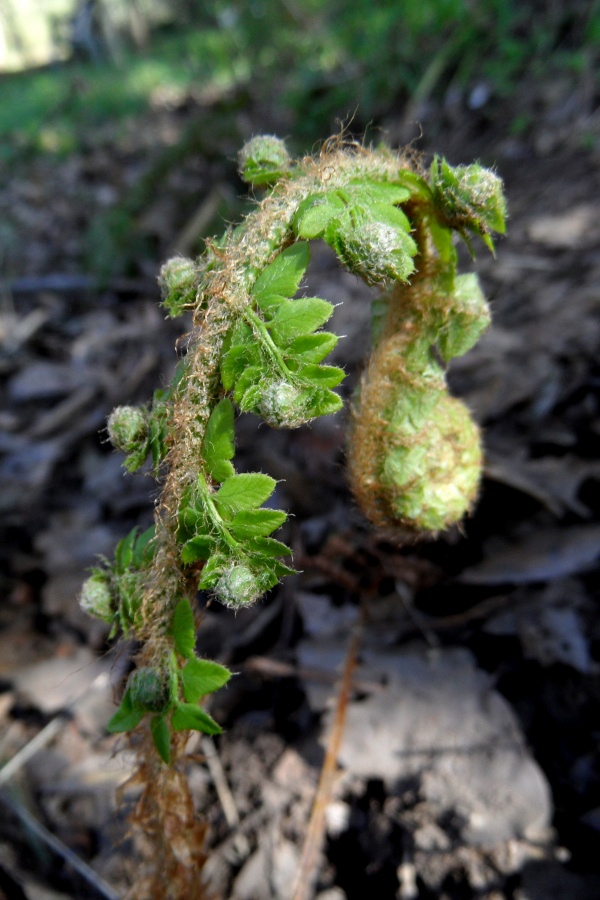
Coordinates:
x,y
414,454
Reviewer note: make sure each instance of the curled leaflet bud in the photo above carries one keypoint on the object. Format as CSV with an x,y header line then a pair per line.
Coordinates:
x,y
282,405
469,196
127,427
148,689
431,478
263,160
178,281
238,586
96,597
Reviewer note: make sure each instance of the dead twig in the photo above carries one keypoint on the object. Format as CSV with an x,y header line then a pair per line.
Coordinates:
x,y
307,871
31,824
22,757
217,773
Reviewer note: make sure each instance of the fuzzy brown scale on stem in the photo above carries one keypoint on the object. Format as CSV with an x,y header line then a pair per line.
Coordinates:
x,y
173,841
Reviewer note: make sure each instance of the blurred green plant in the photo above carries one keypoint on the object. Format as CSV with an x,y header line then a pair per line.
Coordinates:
x,y
328,58
308,65
319,60
55,110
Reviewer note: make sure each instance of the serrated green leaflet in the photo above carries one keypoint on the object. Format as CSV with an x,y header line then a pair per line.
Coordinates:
x,y
298,317
183,629
233,364
239,333
245,491
124,551
133,551
489,243
161,737
266,546
416,184
126,717
315,213
272,570
255,173
237,359
217,446
390,215
188,716
250,399
143,548
202,676
156,441
212,572
248,378
401,265
325,403
269,303
442,238
378,191
312,348
197,548
256,522
284,274
192,521
124,721
324,376
137,458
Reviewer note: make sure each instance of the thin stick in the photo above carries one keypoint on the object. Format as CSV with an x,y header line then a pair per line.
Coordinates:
x,y
217,773
307,871
43,737
56,845
28,820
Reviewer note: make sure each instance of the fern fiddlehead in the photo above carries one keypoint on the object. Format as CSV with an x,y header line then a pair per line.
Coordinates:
x,y
414,452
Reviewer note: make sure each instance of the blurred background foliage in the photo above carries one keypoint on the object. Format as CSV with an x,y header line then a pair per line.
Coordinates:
x,y
76,74
75,64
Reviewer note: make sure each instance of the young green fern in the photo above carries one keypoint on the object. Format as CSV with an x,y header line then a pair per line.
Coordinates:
x,y
414,452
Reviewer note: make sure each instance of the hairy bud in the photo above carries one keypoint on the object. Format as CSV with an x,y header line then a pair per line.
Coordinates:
x,y
431,477
238,586
127,427
283,405
469,196
375,251
178,281
96,597
148,689
263,160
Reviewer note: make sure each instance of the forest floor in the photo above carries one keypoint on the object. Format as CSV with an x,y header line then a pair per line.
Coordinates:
x,y
469,766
